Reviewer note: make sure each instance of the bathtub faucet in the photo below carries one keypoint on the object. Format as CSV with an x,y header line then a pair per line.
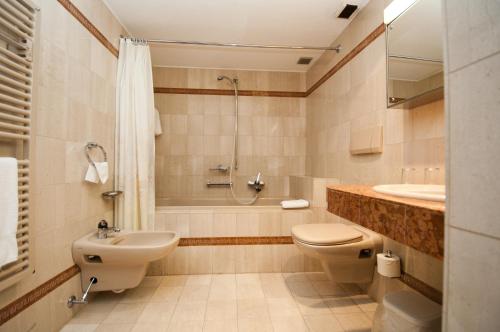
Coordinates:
x,y
257,183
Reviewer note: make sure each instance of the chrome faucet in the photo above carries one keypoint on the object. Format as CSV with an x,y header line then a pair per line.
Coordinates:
x,y
103,230
257,183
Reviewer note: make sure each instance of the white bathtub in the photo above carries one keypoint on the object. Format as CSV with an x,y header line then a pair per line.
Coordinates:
x,y
214,219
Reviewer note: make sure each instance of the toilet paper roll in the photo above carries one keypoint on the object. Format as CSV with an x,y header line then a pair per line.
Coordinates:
x,y
389,266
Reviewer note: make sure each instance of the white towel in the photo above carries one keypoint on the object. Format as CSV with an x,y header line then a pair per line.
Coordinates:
x,y
158,130
9,201
295,204
99,173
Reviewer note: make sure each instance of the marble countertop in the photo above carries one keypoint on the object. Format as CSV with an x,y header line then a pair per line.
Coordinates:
x,y
364,190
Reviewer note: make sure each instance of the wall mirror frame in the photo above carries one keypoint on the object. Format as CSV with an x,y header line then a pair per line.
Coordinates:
x,y
414,51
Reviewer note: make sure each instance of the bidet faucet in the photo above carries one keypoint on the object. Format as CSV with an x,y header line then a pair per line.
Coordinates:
x,y
103,230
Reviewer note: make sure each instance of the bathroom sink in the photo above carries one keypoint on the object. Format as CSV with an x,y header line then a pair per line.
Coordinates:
x,y
429,192
120,261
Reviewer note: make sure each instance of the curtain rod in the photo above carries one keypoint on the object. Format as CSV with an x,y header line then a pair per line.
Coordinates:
x,y
199,43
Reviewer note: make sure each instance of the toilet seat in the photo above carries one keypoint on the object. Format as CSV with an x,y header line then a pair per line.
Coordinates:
x,y
326,234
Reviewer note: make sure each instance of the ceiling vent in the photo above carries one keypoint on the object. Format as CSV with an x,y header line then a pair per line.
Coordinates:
x,y
304,61
347,11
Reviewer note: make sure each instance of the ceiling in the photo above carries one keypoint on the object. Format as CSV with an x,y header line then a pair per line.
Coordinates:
x,y
269,22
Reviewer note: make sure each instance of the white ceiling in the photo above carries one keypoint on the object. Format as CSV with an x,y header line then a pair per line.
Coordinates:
x,y
279,22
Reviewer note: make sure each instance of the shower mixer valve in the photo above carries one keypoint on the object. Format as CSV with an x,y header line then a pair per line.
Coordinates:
x,y
257,183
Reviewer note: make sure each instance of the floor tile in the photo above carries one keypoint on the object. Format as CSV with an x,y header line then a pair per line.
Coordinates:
x,y
160,312
220,325
342,305
252,309
167,293
153,281
302,288
358,322
221,310
230,302
223,279
116,327
282,307
79,328
322,323
222,292
186,326
329,288
255,325
200,279
125,313
249,291
312,306
247,279
266,277
138,295
317,276
195,293
365,302
174,281
289,324
150,327
190,311
352,289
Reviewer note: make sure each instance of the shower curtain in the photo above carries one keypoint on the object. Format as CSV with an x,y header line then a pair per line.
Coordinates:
x,y
134,146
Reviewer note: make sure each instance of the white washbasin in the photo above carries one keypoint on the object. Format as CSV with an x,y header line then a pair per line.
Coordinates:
x,y
120,261
429,192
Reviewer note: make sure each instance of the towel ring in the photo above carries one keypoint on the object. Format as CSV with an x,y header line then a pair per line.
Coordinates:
x,y
93,145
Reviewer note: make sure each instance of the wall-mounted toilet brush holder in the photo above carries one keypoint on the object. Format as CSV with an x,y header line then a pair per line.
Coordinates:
x,y
72,300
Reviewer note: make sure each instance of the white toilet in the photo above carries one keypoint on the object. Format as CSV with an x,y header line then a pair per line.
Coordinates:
x,y
347,253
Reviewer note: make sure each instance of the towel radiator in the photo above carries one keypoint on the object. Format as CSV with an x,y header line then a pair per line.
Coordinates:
x,y
17,27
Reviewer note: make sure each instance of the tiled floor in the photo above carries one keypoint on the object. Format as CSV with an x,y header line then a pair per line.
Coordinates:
x,y
230,302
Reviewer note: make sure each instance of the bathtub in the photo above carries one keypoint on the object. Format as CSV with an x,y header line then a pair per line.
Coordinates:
x,y
162,202
221,236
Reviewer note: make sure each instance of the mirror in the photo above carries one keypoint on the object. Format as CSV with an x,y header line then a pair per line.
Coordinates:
x,y
415,56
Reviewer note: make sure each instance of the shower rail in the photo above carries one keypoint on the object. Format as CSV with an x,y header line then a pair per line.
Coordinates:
x,y
217,44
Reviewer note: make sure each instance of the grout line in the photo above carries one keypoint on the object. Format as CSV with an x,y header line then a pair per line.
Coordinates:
x,y
475,232
474,62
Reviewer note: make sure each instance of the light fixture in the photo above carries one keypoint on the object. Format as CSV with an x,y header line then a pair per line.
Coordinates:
x,y
396,8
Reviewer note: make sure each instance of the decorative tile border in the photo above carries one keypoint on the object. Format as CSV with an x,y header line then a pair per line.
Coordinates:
x,y
234,241
355,51
73,10
415,226
23,302
421,287
224,92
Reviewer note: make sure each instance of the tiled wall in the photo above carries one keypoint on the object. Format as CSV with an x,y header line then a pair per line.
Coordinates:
x,y
198,133
74,103
472,253
354,99
232,222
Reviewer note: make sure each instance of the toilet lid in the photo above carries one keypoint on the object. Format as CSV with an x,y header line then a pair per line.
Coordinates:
x,y
326,234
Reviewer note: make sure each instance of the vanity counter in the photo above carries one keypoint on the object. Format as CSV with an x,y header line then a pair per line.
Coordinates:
x,y
412,222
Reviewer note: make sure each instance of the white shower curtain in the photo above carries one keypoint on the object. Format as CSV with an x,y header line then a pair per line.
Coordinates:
x,y
135,126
